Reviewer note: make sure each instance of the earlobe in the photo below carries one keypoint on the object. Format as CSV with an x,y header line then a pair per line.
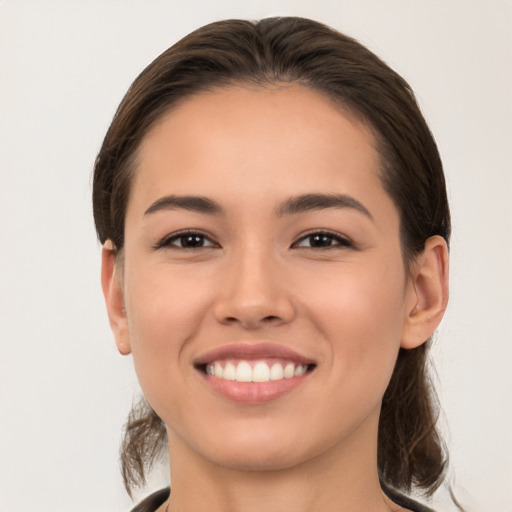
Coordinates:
x,y
111,282
427,294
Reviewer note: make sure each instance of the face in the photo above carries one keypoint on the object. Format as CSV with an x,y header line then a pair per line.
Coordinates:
x,y
263,282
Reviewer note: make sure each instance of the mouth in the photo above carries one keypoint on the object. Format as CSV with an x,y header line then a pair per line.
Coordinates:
x,y
255,370
254,373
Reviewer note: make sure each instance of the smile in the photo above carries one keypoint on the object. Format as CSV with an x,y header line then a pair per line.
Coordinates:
x,y
255,371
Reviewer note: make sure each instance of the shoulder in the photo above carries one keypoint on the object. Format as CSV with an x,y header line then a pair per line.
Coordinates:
x,y
405,501
153,501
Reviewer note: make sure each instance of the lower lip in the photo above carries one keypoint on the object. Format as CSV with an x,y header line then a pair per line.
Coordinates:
x,y
253,392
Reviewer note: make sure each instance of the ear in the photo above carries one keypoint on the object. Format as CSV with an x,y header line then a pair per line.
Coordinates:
x,y
427,293
111,282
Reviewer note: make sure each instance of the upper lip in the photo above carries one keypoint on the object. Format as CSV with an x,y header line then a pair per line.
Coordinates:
x,y
250,350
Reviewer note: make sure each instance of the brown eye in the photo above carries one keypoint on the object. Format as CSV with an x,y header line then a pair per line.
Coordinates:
x,y
186,240
322,241
190,241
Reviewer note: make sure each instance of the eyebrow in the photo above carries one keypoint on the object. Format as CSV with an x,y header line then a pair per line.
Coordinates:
x,y
198,204
294,205
309,202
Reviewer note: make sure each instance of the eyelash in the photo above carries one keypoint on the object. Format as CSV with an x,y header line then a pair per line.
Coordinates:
x,y
167,241
340,241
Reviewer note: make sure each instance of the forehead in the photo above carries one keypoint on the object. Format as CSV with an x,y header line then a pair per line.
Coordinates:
x,y
301,111
284,133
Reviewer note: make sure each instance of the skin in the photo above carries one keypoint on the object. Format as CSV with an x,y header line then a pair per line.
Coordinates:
x,y
348,306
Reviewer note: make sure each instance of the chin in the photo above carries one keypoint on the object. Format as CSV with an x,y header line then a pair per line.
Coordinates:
x,y
258,450
257,460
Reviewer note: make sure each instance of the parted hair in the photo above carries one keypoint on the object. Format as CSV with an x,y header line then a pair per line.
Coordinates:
x,y
411,454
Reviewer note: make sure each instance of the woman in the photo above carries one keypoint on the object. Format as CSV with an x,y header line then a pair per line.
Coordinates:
x,y
275,227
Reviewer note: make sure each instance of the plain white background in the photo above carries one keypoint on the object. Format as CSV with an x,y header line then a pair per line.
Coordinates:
x,y
64,66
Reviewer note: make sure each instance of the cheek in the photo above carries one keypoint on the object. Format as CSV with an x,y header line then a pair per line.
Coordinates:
x,y
363,327
164,310
159,298
360,312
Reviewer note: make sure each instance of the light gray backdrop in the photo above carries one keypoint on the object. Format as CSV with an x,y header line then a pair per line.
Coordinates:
x,y
64,66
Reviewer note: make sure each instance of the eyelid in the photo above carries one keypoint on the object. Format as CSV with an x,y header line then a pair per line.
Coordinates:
x,y
343,240
165,242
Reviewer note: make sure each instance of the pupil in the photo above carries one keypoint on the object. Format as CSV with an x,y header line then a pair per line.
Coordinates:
x,y
192,241
321,240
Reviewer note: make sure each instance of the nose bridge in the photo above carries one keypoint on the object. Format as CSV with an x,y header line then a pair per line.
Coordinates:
x,y
252,293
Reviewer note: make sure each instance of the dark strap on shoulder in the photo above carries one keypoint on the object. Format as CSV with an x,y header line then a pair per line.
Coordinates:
x,y
153,501
404,501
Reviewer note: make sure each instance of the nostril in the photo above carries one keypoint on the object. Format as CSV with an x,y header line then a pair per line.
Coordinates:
x,y
252,313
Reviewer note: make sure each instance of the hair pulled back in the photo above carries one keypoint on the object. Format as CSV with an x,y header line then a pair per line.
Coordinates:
x,y
298,51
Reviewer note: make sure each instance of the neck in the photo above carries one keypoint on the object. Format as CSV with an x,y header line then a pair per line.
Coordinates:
x,y
343,478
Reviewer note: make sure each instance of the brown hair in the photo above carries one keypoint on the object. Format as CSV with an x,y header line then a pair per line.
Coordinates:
x,y
296,50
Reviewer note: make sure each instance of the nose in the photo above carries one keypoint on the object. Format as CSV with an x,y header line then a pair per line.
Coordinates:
x,y
252,293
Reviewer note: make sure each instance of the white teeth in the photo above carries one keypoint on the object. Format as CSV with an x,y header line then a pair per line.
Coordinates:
x,y
300,370
229,372
276,372
261,372
243,372
289,371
